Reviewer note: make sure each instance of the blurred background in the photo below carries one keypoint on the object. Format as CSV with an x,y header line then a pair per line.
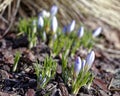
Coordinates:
x,y
91,13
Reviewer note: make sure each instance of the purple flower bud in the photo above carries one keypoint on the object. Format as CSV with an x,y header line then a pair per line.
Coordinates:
x,y
45,14
81,32
97,32
90,58
71,26
54,24
53,10
64,30
77,66
40,21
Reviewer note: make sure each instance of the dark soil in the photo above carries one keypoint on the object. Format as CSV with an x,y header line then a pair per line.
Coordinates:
x,y
23,81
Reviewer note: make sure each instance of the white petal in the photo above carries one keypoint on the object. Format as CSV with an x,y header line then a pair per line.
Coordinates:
x,y
45,14
97,32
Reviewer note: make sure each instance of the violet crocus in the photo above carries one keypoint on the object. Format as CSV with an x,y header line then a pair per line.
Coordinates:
x,y
54,10
97,32
64,30
90,59
54,24
77,66
40,21
71,26
81,32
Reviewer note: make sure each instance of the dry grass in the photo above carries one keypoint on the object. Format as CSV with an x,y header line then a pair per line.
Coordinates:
x,y
107,11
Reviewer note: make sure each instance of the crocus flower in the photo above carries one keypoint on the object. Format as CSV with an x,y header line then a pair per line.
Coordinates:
x,y
81,32
45,14
83,63
40,21
77,66
53,10
54,24
90,58
97,32
71,26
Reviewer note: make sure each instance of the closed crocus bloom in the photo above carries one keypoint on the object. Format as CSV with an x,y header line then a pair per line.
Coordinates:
x,y
90,58
83,63
77,66
45,14
40,21
81,32
54,24
53,10
71,26
97,32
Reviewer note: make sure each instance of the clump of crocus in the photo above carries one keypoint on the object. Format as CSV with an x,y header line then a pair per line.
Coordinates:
x,y
97,32
48,25
81,71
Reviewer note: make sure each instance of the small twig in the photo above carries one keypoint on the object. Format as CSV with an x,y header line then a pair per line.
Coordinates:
x,y
5,4
3,19
13,18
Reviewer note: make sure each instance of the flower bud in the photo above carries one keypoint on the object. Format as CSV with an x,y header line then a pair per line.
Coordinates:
x,y
71,26
97,32
64,30
83,63
53,10
45,14
90,58
40,21
81,32
54,24
77,66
